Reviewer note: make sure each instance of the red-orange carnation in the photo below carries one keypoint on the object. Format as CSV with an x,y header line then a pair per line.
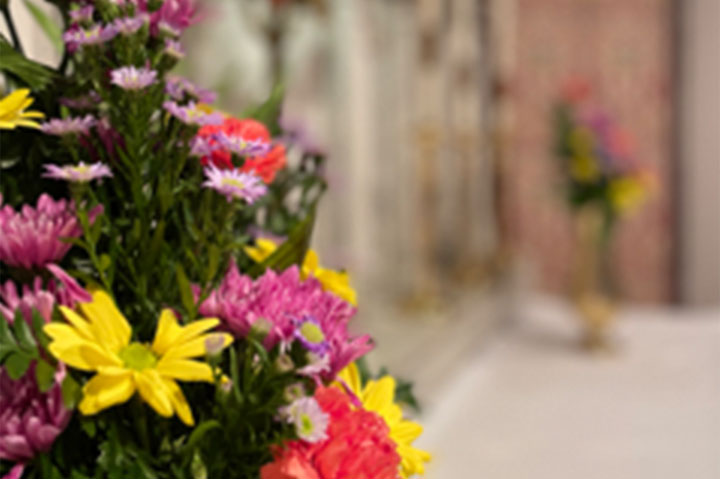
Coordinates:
x,y
358,446
265,166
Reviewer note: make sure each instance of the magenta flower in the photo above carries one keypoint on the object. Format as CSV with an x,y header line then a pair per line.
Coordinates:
x,y
31,238
80,173
131,78
174,17
94,35
63,289
281,300
235,184
84,102
190,114
129,25
30,420
68,126
177,87
174,49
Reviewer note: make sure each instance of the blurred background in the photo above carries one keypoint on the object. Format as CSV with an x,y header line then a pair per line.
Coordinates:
x,y
446,205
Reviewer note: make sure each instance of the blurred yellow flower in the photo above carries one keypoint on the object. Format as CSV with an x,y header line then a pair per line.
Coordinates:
x,y
379,397
12,111
584,169
626,193
100,341
336,282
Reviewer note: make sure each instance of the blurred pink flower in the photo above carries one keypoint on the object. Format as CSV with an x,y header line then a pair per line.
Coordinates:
x,y
31,238
174,17
282,300
30,420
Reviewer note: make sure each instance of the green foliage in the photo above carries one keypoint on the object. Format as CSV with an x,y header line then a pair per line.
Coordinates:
x,y
21,344
22,69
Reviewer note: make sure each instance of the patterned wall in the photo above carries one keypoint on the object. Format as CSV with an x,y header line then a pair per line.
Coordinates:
x,y
625,48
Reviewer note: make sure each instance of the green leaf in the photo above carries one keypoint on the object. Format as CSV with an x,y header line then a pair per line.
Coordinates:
x,y
51,29
17,364
104,261
269,112
70,392
186,295
44,375
198,433
38,323
24,336
28,72
213,262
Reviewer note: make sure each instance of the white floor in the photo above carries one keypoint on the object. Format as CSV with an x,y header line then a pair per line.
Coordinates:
x,y
533,406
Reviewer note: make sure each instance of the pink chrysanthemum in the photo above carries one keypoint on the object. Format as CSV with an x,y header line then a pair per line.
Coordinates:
x,y
32,237
30,420
282,300
68,126
132,78
80,173
234,184
174,16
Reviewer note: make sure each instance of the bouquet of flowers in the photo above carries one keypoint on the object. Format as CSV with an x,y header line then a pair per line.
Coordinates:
x,y
161,313
596,156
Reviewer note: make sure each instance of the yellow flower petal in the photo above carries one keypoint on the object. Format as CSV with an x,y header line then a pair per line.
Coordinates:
x,y
406,431
310,263
169,334
179,403
189,349
81,326
379,394
351,376
262,250
103,391
107,321
185,369
83,354
153,391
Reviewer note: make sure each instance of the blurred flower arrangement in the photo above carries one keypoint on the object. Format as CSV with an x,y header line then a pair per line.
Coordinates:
x,y
603,181
162,315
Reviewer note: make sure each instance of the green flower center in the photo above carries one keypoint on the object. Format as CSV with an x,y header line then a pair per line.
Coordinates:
x,y
81,169
233,182
137,356
306,424
312,333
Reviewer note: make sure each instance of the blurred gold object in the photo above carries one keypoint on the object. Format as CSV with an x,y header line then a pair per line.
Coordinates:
x,y
595,308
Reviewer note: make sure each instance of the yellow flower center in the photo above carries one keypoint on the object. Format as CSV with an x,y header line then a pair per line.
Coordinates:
x,y
312,333
233,182
137,356
306,424
80,169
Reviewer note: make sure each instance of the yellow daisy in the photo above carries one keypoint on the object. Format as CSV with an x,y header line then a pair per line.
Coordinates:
x,y
626,193
337,282
100,341
379,396
12,111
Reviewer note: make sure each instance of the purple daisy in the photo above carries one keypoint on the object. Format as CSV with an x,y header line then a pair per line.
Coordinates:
x,y
309,332
190,114
131,78
83,14
68,126
235,184
84,102
80,173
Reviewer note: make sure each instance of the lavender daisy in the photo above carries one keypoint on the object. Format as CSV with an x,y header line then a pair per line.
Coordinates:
x,y
68,126
200,147
191,114
174,49
177,87
235,184
84,102
241,146
130,25
93,35
80,173
131,78
83,14
310,421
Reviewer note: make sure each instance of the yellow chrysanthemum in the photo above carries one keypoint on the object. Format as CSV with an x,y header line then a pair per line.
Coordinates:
x,y
626,193
12,111
100,341
337,282
379,396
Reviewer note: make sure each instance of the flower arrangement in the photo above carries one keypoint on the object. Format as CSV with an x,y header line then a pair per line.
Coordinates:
x,y
161,314
597,160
